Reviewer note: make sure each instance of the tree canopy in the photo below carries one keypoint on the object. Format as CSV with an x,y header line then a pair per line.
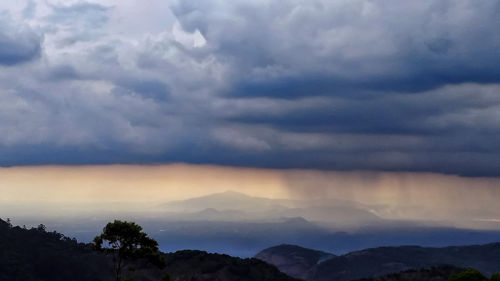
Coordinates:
x,y
126,241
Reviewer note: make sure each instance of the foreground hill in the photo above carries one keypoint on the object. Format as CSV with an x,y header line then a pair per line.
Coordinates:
x,y
293,260
374,262
34,254
37,255
200,266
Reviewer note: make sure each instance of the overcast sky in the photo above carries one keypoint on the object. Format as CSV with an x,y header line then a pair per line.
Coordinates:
x,y
335,84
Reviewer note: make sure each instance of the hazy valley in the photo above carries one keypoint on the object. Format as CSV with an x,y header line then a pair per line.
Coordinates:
x,y
240,225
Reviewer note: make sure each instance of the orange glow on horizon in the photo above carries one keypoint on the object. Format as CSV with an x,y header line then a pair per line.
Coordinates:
x,y
133,183
392,195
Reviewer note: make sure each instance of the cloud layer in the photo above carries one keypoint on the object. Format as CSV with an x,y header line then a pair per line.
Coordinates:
x,y
343,85
18,42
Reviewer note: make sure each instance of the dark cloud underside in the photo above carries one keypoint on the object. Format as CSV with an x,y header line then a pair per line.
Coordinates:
x,y
340,85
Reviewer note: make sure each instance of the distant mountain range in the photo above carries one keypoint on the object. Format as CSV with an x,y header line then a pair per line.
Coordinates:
x,y
245,238
370,263
229,200
235,206
241,225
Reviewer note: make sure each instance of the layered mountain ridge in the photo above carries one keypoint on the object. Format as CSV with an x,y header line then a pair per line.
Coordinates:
x,y
370,263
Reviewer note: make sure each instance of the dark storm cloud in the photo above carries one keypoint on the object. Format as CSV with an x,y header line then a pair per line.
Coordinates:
x,y
344,85
321,85
403,113
338,47
380,68
18,43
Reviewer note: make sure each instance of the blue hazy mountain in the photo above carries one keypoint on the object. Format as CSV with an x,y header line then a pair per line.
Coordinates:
x,y
242,225
247,238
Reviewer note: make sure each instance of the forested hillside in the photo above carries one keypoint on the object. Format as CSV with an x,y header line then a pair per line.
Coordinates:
x,y
38,255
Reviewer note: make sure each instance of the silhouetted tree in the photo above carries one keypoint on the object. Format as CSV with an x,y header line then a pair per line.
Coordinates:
x,y
125,241
41,228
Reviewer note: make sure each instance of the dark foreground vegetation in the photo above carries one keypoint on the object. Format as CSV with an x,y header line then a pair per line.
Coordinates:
x,y
437,273
38,255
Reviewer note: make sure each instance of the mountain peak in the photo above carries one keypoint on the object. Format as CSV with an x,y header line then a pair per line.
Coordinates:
x,y
230,193
227,200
